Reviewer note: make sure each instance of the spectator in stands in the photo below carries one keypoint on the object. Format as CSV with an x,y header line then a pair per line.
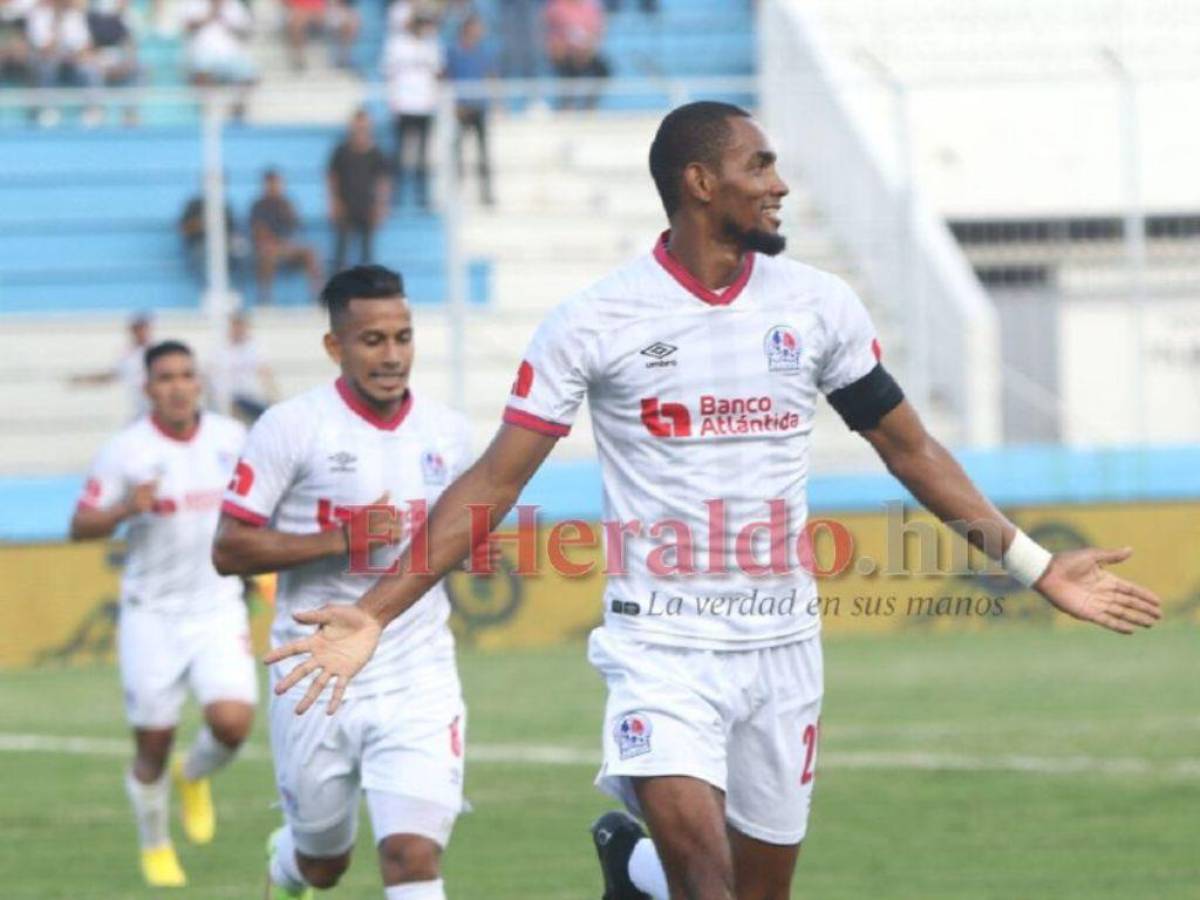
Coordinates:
x,y
193,232
574,30
116,50
359,189
518,38
218,43
14,48
273,228
239,375
412,63
468,63
130,369
338,18
61,53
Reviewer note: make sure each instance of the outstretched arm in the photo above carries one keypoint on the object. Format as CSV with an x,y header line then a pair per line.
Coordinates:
x,y
1074,582
348,634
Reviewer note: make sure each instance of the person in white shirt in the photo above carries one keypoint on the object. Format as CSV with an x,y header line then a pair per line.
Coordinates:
x,y
413,60
311,464
61,52
702,362
181,624
130,370
218,42
240,376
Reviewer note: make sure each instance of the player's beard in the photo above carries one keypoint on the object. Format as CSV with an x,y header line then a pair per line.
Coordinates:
x,y
756,240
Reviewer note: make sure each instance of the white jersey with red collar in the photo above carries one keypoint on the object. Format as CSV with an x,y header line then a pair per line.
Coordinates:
x,y
311,458
169,567
702,405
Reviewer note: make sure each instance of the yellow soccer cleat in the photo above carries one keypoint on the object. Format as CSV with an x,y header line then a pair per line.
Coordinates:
x,y
160,867
195,806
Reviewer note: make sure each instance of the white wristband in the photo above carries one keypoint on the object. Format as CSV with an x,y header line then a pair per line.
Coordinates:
x,y
1026,560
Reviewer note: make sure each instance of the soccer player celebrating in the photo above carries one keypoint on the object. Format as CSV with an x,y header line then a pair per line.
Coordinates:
x,y
309,464
181,624
702,362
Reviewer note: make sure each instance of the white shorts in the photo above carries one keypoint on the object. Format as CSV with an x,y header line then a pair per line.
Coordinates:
x,y
404,748
161,655
745,721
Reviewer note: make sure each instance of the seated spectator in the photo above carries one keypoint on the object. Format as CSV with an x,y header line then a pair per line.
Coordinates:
x,y
61,53
413,62
116,50
218,42
574,30
192,230
14,48
273,228
468,62
337,18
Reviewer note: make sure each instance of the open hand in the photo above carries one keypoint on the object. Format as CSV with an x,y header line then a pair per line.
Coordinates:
x,y
345,638
1077,584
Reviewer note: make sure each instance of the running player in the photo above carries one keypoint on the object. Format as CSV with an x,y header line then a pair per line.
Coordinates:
x,y
702,362
181,624
309,464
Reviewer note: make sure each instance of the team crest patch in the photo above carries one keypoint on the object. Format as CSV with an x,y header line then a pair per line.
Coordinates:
x,y
782,347
433,467
632,735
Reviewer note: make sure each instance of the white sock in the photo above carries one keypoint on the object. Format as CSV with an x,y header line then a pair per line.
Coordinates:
x,y
646,871
206,756
284,870
150,803
416,890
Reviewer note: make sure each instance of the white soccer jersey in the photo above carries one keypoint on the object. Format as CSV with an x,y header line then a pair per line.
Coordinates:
x,y
169,560
311,458
702,404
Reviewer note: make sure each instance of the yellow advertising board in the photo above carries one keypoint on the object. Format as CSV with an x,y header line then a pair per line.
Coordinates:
x,y
60,600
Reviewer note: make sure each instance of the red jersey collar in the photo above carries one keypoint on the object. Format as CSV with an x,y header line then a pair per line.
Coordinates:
x,y
689,281
166,432
351,399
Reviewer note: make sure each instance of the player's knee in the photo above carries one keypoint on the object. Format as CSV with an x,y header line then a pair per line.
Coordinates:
x,y
325,872
231,723
409,857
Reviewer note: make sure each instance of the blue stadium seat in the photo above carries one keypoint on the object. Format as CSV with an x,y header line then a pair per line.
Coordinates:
x,y
88,220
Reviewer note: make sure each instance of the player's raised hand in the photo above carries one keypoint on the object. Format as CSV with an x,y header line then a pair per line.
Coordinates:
x,y
1077,583
141,498
345,638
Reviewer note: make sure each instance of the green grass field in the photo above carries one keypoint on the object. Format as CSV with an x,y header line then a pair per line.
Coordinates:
x,y
1015,762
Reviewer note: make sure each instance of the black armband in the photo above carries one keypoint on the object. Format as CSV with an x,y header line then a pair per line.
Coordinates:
x,y
864,402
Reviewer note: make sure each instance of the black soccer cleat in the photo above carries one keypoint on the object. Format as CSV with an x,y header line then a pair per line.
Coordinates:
x,y
615,834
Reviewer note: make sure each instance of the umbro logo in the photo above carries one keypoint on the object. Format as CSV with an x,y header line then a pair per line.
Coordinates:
x,y
342,461
658,352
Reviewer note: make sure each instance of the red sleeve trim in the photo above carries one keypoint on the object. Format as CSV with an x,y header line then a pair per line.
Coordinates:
x,y
242,514
86,504
533,423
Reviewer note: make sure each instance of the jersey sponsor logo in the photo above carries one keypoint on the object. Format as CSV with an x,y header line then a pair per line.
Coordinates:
x,y
342,461
719,416
433,467
330,516
524,383
782,347
658,353
632,734
666,420
243,479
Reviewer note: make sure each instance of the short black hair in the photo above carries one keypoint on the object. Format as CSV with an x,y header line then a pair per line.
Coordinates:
x,y
694,132
164,348
359,283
